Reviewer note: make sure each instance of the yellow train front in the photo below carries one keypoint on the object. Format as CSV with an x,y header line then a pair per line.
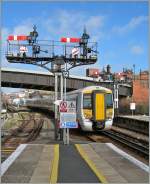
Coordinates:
x,y
94,107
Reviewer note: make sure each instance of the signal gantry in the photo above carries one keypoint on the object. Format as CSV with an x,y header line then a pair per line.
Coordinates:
x,y
62,55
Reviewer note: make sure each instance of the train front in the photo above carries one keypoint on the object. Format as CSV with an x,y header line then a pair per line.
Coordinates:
x,y
98,110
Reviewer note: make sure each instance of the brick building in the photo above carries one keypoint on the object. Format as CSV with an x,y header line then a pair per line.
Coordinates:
x,y
141,88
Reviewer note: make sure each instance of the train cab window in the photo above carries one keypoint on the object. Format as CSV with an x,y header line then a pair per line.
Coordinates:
x,y
108,100
87,101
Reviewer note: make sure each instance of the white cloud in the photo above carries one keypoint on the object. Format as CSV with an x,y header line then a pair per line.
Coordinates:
x,y
61,23
95,22
137,50
132,24
22,29
72,23
4,33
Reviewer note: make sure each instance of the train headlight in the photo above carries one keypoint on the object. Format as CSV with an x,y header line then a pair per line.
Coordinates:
x,y
109,114
87,113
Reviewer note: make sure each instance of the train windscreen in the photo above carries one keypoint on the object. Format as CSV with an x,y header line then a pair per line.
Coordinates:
x,y
87,101
108,100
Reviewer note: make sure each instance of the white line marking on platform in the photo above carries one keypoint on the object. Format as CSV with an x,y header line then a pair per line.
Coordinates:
x,y
129,157
6,164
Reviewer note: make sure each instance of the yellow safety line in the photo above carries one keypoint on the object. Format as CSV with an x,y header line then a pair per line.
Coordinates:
x,y
54,170
7,150
97,172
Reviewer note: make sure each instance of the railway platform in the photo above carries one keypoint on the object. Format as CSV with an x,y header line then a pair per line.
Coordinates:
x,y
74,163
136,123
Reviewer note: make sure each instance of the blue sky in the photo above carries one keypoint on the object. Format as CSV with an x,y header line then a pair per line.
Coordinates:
x,y
121,29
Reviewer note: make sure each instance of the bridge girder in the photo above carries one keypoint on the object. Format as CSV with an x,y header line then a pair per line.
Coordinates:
x,y
29,80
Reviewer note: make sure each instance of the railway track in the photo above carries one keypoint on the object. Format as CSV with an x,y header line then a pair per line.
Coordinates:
x,y
26,132
143,149
132,143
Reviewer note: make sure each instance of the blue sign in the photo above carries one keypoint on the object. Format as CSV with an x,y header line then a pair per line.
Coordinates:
x,y
69,125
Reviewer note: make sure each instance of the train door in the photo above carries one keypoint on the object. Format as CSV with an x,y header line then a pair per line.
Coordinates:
x,y
99,112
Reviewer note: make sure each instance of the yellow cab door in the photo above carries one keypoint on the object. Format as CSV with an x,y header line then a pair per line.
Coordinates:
x,y
98,106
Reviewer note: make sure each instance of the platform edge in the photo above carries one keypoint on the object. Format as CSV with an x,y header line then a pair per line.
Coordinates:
x,y
6,164
97,172
55,162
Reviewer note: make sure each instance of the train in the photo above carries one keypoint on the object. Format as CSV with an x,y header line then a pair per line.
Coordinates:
x,y
95,109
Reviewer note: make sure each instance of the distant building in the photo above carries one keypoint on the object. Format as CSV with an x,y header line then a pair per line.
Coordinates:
x,y
125,76
104,75
144,75
92,72
141,87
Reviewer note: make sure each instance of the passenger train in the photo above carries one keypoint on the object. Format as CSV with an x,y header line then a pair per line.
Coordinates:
x,y
95,109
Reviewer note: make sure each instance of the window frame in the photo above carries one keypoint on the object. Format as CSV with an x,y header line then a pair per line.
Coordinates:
x,y
109,106
87,94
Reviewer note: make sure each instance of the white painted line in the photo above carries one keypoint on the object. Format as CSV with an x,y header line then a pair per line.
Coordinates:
x,y
129,157
6,164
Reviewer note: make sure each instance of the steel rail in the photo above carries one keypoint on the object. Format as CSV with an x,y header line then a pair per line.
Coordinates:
x,y
136,146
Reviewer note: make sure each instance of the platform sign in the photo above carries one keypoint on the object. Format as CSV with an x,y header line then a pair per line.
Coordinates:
x,y
23,49
71,106
63,106
68,120
67,106
69,125
132,106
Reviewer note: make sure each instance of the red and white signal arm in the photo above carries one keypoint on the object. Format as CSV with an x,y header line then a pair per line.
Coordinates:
x,y
70,40
17,38
23,49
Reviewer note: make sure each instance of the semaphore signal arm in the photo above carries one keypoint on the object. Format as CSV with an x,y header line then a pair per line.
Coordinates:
x,y
62,55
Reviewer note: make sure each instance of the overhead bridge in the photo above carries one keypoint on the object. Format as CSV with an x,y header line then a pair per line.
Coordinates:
x,y
17,78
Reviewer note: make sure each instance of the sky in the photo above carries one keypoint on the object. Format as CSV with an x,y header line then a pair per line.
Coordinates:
x,y
119,28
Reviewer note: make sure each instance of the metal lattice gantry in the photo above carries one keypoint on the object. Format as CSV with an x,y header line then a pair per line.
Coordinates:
x,y
61,55
52,55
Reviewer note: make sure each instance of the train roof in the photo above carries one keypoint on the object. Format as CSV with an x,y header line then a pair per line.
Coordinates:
x,y
90,88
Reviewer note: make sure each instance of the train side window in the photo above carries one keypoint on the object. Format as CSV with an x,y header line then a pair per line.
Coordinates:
x,y
87,101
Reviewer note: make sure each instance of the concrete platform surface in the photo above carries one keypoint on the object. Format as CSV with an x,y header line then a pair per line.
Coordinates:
x,y
33,165
116,165
72,168
75,163
137,117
